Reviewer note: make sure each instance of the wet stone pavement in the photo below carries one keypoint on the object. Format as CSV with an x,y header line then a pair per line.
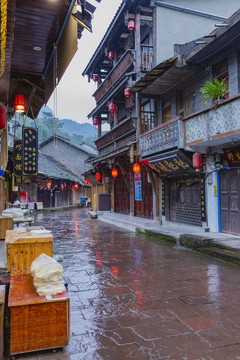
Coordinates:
x,y
135,298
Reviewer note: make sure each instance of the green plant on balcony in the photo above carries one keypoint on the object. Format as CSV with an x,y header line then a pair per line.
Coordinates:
x,y
215,91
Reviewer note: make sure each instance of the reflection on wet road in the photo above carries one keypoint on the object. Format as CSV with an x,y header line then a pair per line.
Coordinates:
x,y
135,298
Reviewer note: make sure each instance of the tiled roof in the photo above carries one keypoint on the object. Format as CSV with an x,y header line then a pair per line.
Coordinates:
x,y
48,166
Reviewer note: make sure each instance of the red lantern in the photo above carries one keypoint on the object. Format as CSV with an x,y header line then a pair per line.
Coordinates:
x,y
3,116
136,168
112,108
114,172
87,181
19,103
98,176
131,26
95,121
62,186
127,94
111,56
197,161
95,77
76,185
49,184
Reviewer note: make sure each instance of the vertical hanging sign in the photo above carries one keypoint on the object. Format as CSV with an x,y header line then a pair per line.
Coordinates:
x,y
138,186
203,200
18,157
163,198
30,151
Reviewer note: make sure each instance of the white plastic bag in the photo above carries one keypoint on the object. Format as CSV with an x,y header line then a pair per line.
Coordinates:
x,y
44,267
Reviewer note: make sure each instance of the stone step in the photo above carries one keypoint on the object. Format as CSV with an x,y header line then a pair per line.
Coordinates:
x,y
224,254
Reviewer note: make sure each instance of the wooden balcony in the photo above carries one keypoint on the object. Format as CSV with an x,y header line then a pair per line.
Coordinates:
x,y
119,69
164,137
213,125
117,137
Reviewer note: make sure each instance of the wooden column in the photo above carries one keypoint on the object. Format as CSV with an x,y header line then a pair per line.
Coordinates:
x,y
128,184
138,42
99,128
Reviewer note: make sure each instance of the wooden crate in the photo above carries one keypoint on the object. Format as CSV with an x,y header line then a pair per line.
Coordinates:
x,y
37,322
23,248
5,224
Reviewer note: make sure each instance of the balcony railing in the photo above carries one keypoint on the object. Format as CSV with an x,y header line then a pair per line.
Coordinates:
x,y
119,69
146,57
148,119
122,130
213,123
164,137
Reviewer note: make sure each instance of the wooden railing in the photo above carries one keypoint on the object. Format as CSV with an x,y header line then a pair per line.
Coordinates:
x,y
122,65
146,57
164,137
117,133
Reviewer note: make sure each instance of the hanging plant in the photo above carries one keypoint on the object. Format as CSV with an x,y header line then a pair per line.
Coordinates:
x,y
215,91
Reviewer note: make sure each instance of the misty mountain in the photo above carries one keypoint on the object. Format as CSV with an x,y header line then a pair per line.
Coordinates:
x,y
74,128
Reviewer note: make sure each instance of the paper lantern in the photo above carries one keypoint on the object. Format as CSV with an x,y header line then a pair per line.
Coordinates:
x,y
95,77
131,26
19,103
112,108
76,185
3,116
98,176
197,161
87,181
49,184
127,94
136,167
95,121
111,56
114,172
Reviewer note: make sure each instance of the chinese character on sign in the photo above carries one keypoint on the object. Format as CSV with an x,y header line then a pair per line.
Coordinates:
x,y
18,157
30,144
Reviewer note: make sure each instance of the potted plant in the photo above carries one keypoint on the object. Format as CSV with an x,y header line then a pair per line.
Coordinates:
x,y
215,91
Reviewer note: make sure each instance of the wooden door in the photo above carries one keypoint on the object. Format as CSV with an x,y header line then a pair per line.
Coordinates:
x,y
230,201
144,208
121,195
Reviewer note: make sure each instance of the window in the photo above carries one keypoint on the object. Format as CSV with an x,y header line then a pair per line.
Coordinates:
x,y
186,104
147,117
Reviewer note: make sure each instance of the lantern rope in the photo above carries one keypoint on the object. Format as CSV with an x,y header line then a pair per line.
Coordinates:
x,y
3,35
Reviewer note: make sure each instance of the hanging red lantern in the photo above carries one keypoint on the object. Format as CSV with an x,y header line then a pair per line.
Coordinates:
x,y
131,26
95,121
61,186
3,116
197,161
127,94
114,172
95,77
87,181
19,103
76,185
49,184
98,176
111,56
112,108
136,168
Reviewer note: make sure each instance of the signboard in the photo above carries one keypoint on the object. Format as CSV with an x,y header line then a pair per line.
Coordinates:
x,y
233,156
215,190
203,200
18,157
163,198
30,151
172,164
138,186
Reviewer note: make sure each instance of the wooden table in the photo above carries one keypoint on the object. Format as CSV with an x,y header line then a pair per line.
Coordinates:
x,y
37,322
21,221
23,247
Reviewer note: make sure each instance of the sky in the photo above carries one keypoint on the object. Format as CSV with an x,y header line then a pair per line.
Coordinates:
x,y
74,93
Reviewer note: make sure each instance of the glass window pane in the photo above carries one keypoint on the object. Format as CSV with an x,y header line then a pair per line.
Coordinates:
x,y
193,103
187,106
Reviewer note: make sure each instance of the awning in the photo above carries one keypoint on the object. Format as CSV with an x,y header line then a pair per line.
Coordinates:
x,y
171,164
162,78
